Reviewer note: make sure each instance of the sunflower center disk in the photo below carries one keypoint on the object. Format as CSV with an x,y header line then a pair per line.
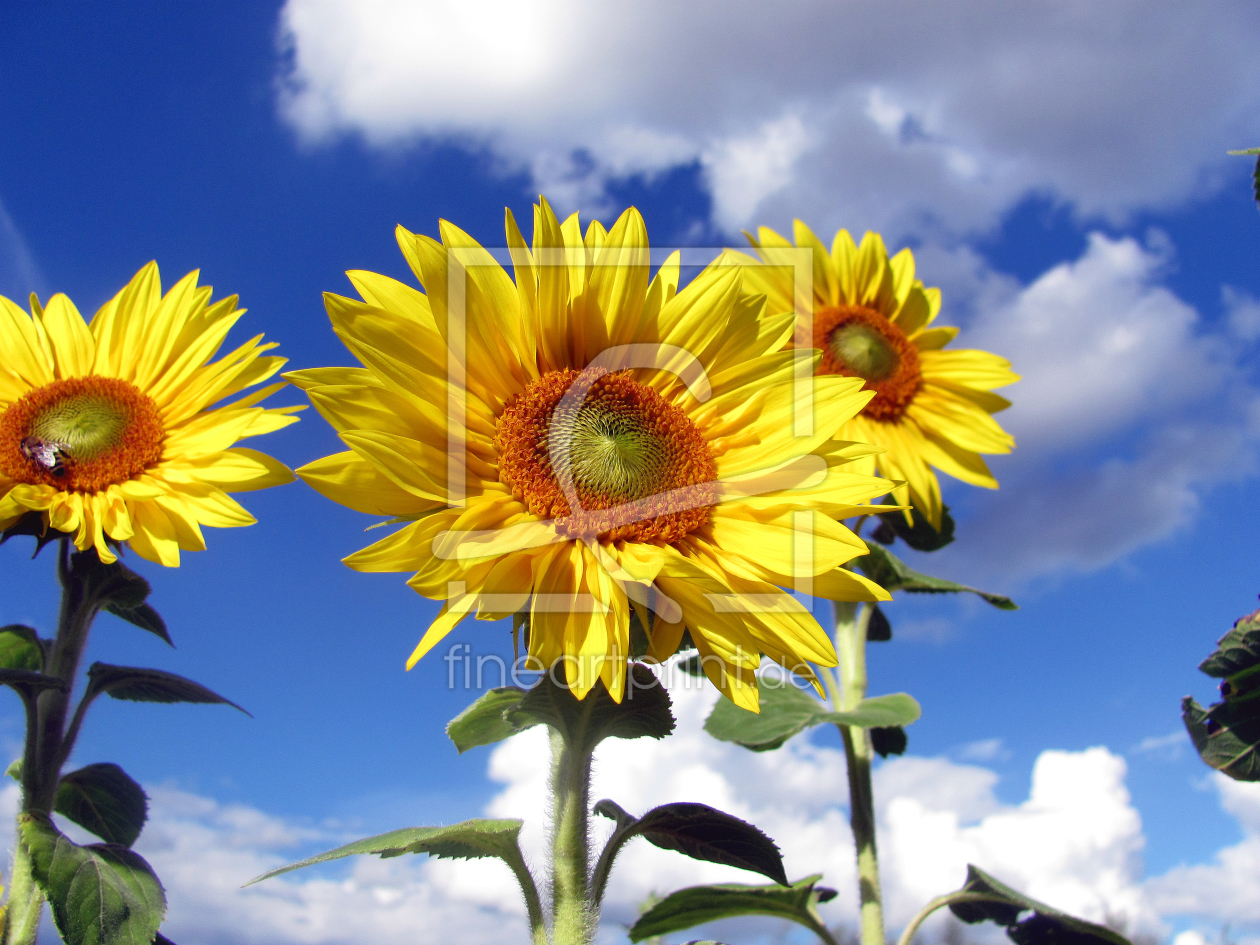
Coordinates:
x,y
638,467
80,434
859,342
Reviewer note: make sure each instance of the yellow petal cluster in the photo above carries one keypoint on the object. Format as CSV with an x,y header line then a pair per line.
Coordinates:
x,y
707,473
107,428
936,412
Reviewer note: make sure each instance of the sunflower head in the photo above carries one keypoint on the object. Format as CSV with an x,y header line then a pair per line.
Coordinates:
x,y
107,428
582,441
931,408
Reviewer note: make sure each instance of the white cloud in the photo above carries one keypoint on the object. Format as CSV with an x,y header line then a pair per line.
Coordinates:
x,y
1243,313
1130,408
987,749
879,115
1228,889
1100,345
1170,746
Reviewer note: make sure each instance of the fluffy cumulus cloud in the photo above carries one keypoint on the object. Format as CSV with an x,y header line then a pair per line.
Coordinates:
x,y
921,120
1130,407
1075,843
1228,889
882,115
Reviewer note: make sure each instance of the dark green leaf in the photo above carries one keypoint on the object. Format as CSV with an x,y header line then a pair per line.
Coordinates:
x,y
889,740
787,710
28,682
110,585
639,641
101,894
878,629
703,833
1045,926
20,648
614,811
893,574
148,685
144,617
699,904
920,536
102,798
1227,733
1226,736
692,666
472,839
484,722
1238,650
33,525
643,711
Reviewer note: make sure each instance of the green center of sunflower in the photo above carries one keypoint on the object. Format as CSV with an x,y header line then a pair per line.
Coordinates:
x,y
85,425
864,351
612,454
80,434
860,342
638,467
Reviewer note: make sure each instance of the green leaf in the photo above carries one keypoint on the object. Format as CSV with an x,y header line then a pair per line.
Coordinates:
x,y
485,722
1045,926
1238,650
893,574
1226,736
696,905
1245,151
148,685
889,740
470,840
110,585
702,833
102,798
643,711
787,710
1227,733
101,894
29,683
33,524
921,536
878,629
144,617
20,648
692,666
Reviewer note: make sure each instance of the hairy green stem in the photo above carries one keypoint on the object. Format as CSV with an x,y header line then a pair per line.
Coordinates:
x,y
533,906
907,936
574,914
846,693
26,899
47,745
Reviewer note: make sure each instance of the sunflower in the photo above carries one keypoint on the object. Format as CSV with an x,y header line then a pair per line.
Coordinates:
x,y
873,320
615,460
106,428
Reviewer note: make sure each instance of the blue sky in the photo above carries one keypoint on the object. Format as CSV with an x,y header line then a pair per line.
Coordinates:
x,y
1061,174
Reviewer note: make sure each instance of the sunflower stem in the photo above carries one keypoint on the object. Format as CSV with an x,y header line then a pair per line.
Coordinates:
x,y
46,745
574,919
26,900
850,642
